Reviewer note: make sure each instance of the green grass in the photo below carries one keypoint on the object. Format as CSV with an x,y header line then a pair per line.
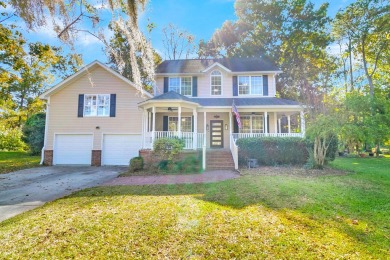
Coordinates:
x,y
13,161
263,216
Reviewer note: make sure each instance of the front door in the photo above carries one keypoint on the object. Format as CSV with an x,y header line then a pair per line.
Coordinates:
x,y
216,133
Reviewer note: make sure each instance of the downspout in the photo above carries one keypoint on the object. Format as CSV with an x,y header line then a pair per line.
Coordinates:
x,y
46,129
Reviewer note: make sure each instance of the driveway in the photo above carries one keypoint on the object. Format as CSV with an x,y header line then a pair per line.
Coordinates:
x,y
27,189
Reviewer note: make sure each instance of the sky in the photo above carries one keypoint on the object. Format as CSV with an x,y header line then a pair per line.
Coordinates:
x,y
199,17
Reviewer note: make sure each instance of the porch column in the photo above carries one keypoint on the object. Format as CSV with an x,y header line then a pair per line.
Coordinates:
x,y
195,133
143,127
266,123
302,124
179,121
153,124
276,123
230,122
280,125
289,123
204,142
204,128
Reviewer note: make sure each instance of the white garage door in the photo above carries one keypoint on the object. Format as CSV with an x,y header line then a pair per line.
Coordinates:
x,y
119,149
73,149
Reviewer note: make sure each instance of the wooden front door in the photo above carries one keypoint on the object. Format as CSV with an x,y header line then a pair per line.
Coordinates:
x,y
216,133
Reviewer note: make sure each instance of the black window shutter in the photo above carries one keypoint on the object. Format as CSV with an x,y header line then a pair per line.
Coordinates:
x,y
194,86
165,123
235,87
80,111
166,84
265,85
112,105
192,129
235,125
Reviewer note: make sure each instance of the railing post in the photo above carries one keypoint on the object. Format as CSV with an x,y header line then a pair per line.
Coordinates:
x,y
154,125
204,157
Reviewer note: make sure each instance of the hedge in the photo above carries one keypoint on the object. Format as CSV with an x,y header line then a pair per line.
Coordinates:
x,y
273,150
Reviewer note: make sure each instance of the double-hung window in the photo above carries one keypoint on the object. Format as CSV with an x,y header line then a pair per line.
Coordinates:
x,y
250,85
186,124
181,85
97,105
216,83
252,124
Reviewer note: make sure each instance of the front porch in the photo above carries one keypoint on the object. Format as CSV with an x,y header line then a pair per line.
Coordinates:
x,y
215,129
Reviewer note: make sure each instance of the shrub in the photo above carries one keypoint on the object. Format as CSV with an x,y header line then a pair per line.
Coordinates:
x,y
332,149
136,164
273,150
11,140
168,148
34,132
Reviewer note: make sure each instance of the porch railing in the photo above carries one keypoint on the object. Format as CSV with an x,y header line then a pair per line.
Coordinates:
x,y
191,140
248,135
234,151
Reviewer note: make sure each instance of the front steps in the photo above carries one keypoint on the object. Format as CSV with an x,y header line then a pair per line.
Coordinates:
x,y
219,159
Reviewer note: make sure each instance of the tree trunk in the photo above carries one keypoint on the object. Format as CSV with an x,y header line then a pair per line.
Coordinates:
x,y
369,77
350,62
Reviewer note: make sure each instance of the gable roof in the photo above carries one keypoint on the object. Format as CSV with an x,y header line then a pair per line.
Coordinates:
x,y
192,66
80,73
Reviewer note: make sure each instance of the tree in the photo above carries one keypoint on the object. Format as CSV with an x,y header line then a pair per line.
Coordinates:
x,y
34,133
177,43
26,70
119,45
294,34
366,25
69,19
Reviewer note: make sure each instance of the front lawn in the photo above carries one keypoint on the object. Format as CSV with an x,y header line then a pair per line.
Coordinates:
x,y
14,161
343,216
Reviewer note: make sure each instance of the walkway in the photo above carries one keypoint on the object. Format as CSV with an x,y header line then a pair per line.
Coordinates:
x,y
208,176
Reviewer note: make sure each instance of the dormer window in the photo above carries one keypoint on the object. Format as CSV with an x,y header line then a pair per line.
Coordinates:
x,y
216,83
250,85
181,85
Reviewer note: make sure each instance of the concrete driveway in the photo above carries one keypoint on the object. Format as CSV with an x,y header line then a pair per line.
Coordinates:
x,y
27,189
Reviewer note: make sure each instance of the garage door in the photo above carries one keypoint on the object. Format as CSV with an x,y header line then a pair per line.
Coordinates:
x,y
73,149
119,149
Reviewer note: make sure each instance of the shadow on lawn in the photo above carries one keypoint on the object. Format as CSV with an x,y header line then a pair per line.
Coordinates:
x,y
340,205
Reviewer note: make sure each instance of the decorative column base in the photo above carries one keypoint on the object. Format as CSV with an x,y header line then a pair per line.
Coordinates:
x,y
96,158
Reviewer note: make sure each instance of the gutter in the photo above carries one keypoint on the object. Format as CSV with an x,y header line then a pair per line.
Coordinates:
x,y
46,130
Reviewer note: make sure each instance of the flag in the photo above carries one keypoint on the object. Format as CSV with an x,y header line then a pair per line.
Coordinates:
x,y
235,111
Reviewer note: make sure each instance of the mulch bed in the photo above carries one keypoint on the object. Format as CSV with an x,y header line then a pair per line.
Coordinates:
x,y
292,171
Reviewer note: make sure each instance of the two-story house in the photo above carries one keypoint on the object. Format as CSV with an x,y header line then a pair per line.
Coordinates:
x,y
193,100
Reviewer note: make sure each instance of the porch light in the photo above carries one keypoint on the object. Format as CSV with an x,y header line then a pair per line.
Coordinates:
x,y
207,127
226,127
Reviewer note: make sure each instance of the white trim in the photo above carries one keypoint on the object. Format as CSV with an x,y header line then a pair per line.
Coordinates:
x,y
217,64
250,86
79,73
258,72
211,86
180,77
179,74
109,105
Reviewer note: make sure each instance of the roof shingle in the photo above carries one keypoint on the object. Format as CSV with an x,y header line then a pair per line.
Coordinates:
x,y
199,65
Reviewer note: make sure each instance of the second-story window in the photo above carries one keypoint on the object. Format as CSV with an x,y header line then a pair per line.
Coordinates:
x,y
216,83
250,85
181,85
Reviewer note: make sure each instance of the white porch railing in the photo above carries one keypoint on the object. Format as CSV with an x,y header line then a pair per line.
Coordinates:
x,y
191,140
234,151
248,135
